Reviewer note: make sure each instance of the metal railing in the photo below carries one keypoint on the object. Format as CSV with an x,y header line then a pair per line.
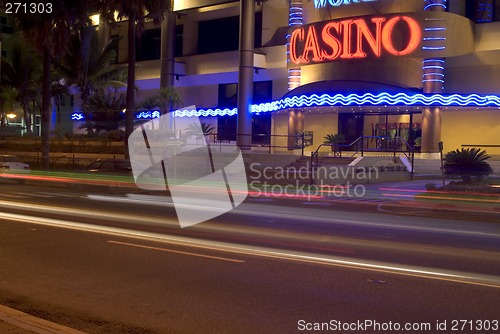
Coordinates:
x,y
268,141
263,140
485,145
364,144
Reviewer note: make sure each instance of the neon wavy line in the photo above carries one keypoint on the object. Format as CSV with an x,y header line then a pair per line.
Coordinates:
x,y
325,100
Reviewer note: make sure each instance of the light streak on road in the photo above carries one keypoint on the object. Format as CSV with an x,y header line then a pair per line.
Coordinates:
x,y
266,252
165,201
99,215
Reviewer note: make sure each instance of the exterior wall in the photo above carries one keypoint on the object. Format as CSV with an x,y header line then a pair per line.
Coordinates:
x,y
321,125
273,18
199,96
488,36
477,72
471,127
473,79
279,126
405,72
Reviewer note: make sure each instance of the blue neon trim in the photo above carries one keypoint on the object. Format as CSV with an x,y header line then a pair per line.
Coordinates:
x,y
209,112
77,116
433,66
325,100
315,100
433,48
435,29
434,5
148,114
428,74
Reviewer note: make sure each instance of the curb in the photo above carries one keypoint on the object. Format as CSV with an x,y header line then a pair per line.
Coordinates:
x,y
33,324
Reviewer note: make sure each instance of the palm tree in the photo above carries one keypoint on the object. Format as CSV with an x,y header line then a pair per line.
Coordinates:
x,y
8,100
333,139
168,99
22,72
49,34
89,70
57,91
134,12
195,128
467,163
106,109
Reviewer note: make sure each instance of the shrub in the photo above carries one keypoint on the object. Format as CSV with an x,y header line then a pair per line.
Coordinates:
x,y
115,135
467,163
430,187
332,139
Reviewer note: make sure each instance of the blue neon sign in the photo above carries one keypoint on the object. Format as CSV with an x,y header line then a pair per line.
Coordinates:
x,y
336,3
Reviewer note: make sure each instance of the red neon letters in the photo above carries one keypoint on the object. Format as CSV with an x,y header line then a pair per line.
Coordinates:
x,y
352,38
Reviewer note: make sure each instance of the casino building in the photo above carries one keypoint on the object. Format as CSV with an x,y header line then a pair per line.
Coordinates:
x,y
424,70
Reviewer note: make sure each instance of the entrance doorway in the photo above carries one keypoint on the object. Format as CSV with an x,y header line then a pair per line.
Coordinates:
x,y
406,126
351,126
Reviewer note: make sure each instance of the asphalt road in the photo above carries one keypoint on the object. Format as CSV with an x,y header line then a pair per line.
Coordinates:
x,y
112,263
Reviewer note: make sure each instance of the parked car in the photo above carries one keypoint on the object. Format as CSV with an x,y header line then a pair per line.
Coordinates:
x,y
13,168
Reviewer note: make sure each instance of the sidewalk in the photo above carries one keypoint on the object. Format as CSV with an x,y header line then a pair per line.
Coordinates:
x,y
16,322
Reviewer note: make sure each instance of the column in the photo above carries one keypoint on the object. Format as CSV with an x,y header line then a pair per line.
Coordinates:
x,y
167,45
294,19
245,74
433,80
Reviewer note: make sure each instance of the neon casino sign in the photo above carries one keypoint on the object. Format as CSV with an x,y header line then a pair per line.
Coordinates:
x,y
354,38
335,3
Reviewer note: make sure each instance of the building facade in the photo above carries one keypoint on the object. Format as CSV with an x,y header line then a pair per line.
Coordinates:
x,y
426,71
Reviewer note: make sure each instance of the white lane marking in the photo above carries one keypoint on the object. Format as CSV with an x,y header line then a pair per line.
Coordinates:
x,y
413,271
317,203
175,251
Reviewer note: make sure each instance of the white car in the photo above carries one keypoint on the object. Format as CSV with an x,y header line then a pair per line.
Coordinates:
x,y
13,168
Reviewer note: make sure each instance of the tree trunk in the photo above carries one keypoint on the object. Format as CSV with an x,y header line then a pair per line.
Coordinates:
x,y
46,109
129,114
27,119
58,108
